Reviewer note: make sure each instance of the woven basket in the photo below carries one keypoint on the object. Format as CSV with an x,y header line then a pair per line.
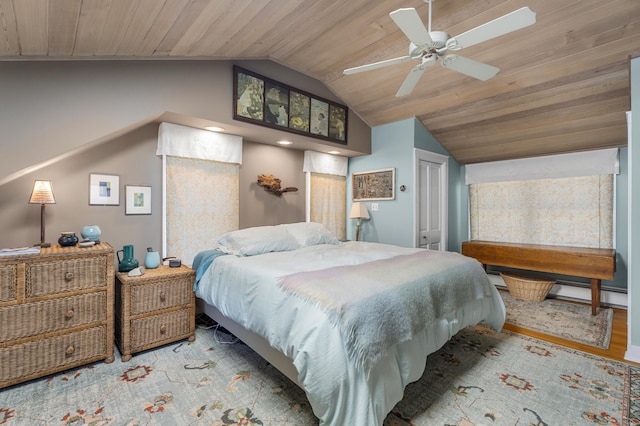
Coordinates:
x,y
529,288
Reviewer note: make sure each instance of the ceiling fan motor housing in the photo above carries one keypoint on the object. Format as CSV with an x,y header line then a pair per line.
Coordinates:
x,y
439,38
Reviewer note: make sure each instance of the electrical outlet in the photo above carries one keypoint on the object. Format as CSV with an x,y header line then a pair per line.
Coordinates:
x,y
374,207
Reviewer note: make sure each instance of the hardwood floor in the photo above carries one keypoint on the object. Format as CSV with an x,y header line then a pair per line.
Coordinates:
x,y
617,347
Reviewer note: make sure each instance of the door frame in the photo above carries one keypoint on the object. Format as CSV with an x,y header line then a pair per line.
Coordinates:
x,y
443,161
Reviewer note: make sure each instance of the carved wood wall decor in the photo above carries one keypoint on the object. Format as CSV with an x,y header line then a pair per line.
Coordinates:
x,y
271,184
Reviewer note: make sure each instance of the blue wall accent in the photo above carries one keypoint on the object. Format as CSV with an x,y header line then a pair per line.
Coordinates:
x,y
392,146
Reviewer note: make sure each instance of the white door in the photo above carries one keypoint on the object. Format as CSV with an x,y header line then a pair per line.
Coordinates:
x,y
431,203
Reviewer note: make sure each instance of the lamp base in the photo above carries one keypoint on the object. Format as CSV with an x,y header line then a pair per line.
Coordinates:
x,y
42,245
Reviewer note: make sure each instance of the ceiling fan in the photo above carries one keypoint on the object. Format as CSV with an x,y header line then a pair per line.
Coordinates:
x,y
428,46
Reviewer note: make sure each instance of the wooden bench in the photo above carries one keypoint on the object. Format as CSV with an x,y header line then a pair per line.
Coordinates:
x,y
596,264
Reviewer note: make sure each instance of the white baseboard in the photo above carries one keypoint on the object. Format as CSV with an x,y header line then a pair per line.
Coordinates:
x,y
609,298
632,353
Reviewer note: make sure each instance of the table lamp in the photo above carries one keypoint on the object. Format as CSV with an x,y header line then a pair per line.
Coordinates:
x,y
358,211
42,194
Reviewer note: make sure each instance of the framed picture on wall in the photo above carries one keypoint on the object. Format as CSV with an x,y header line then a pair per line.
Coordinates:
x,y
138,199
373,185
266,102
104,190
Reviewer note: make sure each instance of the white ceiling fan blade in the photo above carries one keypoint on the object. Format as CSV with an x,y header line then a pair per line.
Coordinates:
x,y
469,67
411,80
408,20
376,65
505,24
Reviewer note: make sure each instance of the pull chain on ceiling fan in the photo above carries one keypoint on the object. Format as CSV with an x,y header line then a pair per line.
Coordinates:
x,y
428,46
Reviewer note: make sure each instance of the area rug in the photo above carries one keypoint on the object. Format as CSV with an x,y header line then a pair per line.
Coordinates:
x,y
478,378
569,321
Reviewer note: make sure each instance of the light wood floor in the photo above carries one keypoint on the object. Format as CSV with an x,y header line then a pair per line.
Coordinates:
x,y
616,350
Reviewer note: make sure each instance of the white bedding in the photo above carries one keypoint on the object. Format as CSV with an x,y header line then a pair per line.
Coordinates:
x,y
245,289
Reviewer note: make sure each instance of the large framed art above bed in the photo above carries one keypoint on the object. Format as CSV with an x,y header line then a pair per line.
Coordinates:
x,y
352,323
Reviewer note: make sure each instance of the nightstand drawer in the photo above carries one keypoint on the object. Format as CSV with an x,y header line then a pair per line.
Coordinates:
x,y
157,328
45,356
8,282
35,318
168,293
81,273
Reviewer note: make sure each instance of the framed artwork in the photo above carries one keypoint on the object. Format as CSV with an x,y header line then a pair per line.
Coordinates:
x,y
319,117
260,100
276,109
373,185
104,190
138,199
337,122
299,106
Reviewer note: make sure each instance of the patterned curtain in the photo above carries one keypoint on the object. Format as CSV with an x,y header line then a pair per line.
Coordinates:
x,y
328,204
576,211
201,204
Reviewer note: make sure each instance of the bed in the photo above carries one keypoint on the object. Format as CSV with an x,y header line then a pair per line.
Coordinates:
x,y
352,323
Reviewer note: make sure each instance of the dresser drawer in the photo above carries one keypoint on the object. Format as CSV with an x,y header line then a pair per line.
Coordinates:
x,y
8,282
157,328
44,356
167,293
35,318
80,273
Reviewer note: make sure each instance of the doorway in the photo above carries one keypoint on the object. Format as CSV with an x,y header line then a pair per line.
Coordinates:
x,y
431,200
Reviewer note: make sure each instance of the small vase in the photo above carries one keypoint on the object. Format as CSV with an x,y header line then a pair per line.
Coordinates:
x,y
68,239
152,259
91,232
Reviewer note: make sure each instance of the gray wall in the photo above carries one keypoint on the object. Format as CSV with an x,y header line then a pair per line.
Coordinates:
x,y
97,117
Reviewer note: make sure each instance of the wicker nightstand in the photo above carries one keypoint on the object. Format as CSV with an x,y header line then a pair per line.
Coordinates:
x,y
154,309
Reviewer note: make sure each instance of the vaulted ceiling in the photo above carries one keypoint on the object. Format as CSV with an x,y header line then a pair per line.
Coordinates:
x,y
563,85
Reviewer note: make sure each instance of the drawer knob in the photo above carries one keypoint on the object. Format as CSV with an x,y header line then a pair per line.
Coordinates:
x,y
163,296
163,329
70,350
69,314
68,276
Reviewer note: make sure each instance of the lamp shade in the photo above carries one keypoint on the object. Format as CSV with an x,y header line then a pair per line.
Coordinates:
x,y
42,193
359,211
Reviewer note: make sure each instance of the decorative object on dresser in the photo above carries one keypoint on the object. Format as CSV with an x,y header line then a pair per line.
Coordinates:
x,y
68,239
42,193
127,262
154,309
91,232
151,259
56,311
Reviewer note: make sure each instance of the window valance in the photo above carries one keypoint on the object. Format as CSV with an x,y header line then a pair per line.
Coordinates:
x,y
588,163
182,141
319,162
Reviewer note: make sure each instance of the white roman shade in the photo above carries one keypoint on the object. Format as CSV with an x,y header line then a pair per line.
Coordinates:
x,y
588,163
200,188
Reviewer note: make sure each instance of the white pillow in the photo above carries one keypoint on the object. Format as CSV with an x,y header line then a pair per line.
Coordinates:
x,y
310,233
257,240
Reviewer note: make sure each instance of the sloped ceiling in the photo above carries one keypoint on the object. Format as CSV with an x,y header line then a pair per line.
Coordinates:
x,y
563,84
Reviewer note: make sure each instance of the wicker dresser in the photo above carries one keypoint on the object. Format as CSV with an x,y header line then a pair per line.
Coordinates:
x,y
154,309
56,311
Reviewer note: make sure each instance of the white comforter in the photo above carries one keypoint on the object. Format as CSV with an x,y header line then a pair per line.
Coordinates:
x,y
245,290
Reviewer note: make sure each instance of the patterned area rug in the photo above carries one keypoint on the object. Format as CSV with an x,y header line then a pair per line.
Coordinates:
x,y
479,377
569,321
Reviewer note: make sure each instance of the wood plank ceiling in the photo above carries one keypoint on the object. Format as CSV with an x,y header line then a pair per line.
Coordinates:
x,y
563,85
